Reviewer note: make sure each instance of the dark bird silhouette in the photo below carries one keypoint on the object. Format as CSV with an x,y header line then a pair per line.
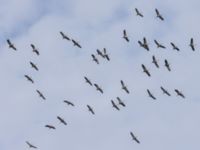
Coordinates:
x,y
155,62
94,58
179,93
40,95
125,36
35,50
76,43
120,102
100,53
159,15
145,70
138,13
88,81
68,103
50,127
98,88
64,36
61,120
165,91
144,44
159,45
167,65
34,66
11,45
105,54
90,109
30,145
192,44
174,46
150,94
114,105
124,87
29,78
134,137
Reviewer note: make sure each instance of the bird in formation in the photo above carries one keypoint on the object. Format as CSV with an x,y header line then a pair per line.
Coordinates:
x,y
125,36
165,91
64,36
35,50
144,44
154,61
11,45
40,94
159,45
94,58
29,78
61,120
68,103
192,44
34,66
121,102
145,70
151,95
88,81
90,109
124,87
134,138
98,88
114,105
167,65
138,13
174,47
179,93
50,127
76,43
158,15
31,145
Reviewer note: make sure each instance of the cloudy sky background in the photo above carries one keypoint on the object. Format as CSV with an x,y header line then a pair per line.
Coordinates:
x,y
167,123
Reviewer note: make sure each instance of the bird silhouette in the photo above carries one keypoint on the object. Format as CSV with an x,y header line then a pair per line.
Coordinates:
x,y
134,138
144,44
40,95
98,88
174,46
88,81
158,15
155,62
64,36
94,58
90,109
31,145
167,65
120,102
11,45
68,103
138,13
124,87
34,66
100,53
159,45
29,78
125,36
192,44
151,95
76,43
61,120
179,93
145,70
114,105
35,50
105,54
50,127
165,91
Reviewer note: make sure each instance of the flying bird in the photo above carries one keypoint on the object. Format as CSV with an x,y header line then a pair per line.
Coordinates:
x,y
35,50
159,15
30,145
145,70
34,66
134,137
68,103
105,54
167,65
124,87
29,78
88,81
179,93
144,44
64,36
125,36
61,120
174,46
11,45
159,45
100,53
114,105
138,13
40,95
120,102
76,43
155,62
90,109
50,127
94,58
98,88
150,94
192,44
165,91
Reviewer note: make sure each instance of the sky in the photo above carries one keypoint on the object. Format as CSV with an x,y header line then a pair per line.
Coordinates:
x,y
165,123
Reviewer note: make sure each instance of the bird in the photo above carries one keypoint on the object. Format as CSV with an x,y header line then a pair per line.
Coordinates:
x,y
50,127
100,53
124,87
150,94
68,103
114,105
134,137
159,45
34,66
90,109
31,145
145,70
29,78
11,45
192,44
144,44
155,61
88,81
165,91
120,102
138,13
174,46
35,50
159,15
40,95
98,88
61,120
76,43
179,93
125,35
105,54
94,58
64,36
167,65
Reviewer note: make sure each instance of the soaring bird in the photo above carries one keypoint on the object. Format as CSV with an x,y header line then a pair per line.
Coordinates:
x,y
125,36
64,36
179,93
167,65
124,87
145,70
30,145
98,88
114,105
100,53
174,46
134,137
120,102
165,91
155,61
192,44
11,45
138,13
61,120
150,94
106,54
144,44
90,109
88,81
34,66
35,50
159,15
40,95
159,45
68,103
50,127
29,78
76,43
94,58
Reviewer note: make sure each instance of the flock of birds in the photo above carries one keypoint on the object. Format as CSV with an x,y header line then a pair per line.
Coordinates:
x,y
104,54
